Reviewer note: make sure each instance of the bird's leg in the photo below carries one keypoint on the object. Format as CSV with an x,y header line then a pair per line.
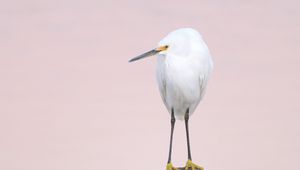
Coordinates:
x,y
189,165
186,120
169,165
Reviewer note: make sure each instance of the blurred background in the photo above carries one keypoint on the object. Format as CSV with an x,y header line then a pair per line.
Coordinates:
x,y
69,99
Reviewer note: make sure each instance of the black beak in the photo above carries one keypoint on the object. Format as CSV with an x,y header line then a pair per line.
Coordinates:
x,y
147,54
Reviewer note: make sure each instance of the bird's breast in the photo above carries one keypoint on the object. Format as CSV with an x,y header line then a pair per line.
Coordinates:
x,y
178,81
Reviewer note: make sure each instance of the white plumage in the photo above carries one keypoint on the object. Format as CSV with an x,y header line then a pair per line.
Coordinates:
x,y
183,70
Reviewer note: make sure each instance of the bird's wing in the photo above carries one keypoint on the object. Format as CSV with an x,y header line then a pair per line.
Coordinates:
x,y
162,84
202,85
203,78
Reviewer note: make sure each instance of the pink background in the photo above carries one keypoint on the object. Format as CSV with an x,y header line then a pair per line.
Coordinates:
x,y
69,100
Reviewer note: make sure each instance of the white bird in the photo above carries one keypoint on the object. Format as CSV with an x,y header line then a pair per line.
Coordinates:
x,y
184,65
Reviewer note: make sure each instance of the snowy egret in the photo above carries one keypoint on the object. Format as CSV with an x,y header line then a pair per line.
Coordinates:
x,y
183,68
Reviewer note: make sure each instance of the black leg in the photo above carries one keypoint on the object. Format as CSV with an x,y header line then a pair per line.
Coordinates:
x,y
186,118
171,138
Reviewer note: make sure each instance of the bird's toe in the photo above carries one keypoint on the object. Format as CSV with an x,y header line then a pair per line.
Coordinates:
x,y
191,166
170,167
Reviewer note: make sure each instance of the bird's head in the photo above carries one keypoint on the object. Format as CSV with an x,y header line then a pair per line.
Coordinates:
x,y
179,42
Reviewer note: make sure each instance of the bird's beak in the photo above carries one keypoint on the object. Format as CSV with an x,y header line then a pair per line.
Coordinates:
x,y
150,53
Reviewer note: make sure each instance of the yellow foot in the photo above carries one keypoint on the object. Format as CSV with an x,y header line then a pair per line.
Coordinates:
x,y
170,167
191,166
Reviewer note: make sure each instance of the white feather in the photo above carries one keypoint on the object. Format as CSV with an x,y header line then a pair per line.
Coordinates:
x,y
183,70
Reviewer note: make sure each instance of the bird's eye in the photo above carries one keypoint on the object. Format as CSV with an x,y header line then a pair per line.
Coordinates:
x,y
166,46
